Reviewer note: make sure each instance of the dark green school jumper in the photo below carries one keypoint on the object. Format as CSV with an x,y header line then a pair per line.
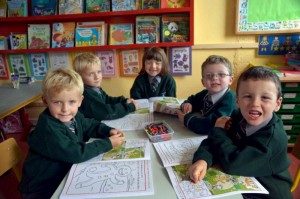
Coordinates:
x,y
53,148
262,155
141,87
202,122
104,107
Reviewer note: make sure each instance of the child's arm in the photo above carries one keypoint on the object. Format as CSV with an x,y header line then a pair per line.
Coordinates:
x,y
135,103
223,122
198,170
186,108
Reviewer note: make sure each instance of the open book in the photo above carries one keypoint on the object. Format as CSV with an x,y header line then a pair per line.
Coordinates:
x,y
124,171
176,157
167,105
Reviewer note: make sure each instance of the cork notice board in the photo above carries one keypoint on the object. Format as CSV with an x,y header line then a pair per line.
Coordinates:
x,y
265,16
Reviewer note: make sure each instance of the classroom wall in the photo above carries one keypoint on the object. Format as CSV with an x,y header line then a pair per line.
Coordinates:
x,y
214,33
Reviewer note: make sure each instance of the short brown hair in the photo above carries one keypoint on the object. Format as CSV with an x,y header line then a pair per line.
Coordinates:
x,y
217,59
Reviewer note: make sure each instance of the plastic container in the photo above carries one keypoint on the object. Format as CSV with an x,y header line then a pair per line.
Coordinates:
x,y
158,137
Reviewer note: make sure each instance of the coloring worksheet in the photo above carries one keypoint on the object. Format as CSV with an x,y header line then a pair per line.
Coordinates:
x,y
132,149
176,152
109,179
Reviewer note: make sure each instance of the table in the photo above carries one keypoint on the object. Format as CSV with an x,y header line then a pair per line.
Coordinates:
x,y
15,99
162,185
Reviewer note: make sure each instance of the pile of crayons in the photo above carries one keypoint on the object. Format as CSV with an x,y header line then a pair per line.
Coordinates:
x,y
156,129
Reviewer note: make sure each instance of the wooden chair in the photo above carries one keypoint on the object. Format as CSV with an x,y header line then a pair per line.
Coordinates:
x,y
296,153
11,155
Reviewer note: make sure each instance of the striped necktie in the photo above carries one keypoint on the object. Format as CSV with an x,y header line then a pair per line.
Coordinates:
x,y
207,103
154,84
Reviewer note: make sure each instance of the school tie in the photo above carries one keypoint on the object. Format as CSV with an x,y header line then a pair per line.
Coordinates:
x,y
154,84
72,126
207,103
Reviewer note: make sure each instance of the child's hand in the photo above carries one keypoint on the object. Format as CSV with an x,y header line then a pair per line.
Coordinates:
x,y
180,115
116,132
116,140
129,100
223,122
197,171
186,108
136,104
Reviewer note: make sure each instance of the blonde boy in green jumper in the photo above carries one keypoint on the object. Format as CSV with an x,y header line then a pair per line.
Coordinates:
x,y
59,139
252,141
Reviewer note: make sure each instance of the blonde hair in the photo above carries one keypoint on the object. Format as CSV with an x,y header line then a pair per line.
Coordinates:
x,y
60,79
85,60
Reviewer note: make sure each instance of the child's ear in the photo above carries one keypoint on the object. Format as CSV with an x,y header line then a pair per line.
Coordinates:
x,y
237,101
44,100
80,101
278,104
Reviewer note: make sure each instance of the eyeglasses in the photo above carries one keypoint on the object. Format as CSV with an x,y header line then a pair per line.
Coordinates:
x,y
218,75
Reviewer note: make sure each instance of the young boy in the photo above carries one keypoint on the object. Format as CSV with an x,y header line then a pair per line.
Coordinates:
x,y
252,141
199,112
59,139
96,103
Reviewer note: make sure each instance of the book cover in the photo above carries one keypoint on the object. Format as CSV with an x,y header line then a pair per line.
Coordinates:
x,y
180,60
18,40
174,3
150,4
122,5
147,29
86,37
3,68
38,63
3,8
120,34
100,25
3,42
43,7
38,36
130,62
168,105
108,62
17,8
175,28
70,7
18,63
63,35
92,6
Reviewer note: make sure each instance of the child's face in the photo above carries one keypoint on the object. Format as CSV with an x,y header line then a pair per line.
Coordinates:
x,y
92,76
63,105
257,100
216,78
153,67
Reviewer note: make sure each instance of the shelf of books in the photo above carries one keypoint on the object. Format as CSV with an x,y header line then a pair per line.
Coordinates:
x,y
117,26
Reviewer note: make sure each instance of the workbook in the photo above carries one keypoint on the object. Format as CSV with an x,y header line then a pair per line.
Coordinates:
x,y
177,155
95,178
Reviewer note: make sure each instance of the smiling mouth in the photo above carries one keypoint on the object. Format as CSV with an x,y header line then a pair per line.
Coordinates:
x,y
254,114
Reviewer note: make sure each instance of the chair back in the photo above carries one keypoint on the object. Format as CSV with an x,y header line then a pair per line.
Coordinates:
x,y
11,155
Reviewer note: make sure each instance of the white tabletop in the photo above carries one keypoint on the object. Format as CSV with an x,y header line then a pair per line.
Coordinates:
x,y
162,184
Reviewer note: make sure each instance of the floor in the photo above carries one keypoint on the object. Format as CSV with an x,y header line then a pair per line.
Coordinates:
x,y
8,182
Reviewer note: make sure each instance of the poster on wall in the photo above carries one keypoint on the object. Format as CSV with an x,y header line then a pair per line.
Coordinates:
x,y
180,61
3,68
130,62
38,63
108,62
18,63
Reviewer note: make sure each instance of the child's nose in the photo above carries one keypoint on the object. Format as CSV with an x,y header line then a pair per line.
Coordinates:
x,y
64,107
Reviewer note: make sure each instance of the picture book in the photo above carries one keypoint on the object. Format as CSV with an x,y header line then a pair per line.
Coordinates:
x,y
17,8
18,63
133,149
168,105
108,62
70,7
59,60
38,63
100,25
147,29
180,60
150,4
177,156
175,28
109,179
3,68
130,62
3,42
3,8
63,35
174,3
18,40
123,5
86,37
38,36
43,7
120,34
92,6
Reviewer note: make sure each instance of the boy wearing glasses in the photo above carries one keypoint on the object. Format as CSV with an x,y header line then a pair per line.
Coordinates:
x,y
200,111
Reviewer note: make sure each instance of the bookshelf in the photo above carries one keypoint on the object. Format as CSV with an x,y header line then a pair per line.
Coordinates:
x,y
19,24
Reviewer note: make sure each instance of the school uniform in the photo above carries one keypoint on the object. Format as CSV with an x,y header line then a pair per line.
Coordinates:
x,y
98,105
261,153
202,119
141,87
53,148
